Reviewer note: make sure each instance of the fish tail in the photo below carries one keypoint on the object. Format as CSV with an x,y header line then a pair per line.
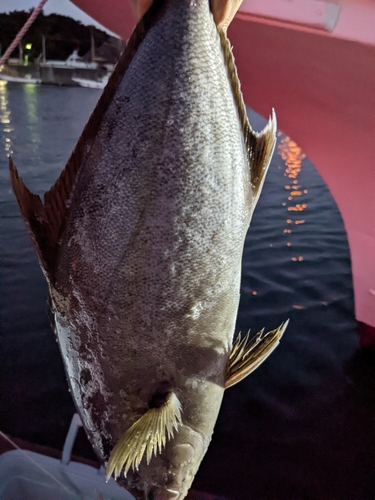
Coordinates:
x,y
247,355
148,435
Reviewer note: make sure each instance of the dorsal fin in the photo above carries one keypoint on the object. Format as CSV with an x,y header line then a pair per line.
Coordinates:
x,y
148,434
259,146
46,221
246,355
33,212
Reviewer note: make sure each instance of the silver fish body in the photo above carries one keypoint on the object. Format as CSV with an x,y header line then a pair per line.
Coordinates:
x,y
144,274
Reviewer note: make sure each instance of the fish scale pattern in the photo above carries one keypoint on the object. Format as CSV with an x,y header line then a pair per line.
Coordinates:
x,y
147,283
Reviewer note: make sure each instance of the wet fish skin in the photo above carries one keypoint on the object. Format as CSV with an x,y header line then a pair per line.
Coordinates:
x,y
165,274
144,267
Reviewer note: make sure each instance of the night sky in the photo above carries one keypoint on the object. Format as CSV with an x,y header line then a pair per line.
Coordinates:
x,y
64,7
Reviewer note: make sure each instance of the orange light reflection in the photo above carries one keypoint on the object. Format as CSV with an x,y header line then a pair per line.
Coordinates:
x,y
298,208
292,155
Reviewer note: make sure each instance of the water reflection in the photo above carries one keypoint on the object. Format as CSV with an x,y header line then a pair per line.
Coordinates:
x,y
31,103
292,155
5,118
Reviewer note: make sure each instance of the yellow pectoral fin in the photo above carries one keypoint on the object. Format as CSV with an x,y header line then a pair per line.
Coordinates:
x,y
149,433
247,355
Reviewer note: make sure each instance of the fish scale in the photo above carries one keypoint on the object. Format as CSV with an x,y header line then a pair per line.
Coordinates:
x,y
141,241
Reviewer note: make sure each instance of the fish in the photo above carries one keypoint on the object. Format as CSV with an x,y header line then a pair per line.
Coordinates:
x,y
141,239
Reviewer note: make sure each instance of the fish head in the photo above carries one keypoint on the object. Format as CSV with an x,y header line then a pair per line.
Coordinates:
x,y
170,474
166,471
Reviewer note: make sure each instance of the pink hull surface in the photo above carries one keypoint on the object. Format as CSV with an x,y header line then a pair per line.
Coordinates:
x,y
314,62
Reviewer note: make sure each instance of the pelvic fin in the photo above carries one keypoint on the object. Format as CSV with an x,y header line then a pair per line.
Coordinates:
x,y
247,355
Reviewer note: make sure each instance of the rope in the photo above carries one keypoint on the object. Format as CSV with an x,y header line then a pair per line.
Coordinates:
x,y
20,35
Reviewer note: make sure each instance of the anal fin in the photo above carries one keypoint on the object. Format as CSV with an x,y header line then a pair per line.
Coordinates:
x,y
247,355
259,145
148,434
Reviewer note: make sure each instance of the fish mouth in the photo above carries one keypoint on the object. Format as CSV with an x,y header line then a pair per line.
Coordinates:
x,y
167,494
184,457
170,474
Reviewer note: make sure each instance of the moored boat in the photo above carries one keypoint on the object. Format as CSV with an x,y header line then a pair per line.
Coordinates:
x,y
18,79
91,84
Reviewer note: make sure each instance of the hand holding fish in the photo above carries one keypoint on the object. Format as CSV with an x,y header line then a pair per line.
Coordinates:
x,y
222,10
141,241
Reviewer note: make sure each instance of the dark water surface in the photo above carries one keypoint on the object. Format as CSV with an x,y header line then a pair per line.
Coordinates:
x,y
302,425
